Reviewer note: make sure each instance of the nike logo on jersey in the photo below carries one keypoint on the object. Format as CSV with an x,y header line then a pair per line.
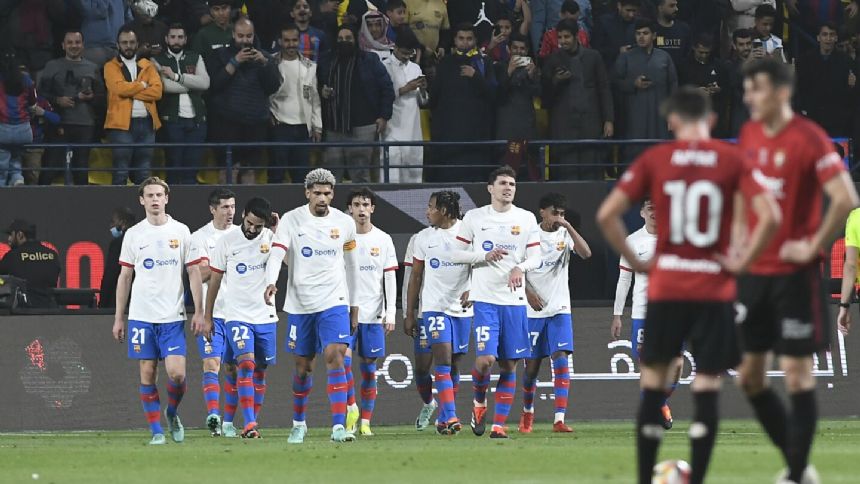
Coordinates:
x,y
236,252
145,246
521,350
463,347
432,246
342,335
300,235
486,228
172,348
640,254
270,358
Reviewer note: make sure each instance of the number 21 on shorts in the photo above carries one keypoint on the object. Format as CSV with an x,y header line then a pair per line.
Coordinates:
x,y
138,336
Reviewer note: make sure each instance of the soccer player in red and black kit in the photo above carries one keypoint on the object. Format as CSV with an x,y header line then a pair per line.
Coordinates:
x,y
782,303
694,183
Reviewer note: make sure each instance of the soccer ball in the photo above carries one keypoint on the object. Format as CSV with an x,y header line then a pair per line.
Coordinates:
x,y
671,472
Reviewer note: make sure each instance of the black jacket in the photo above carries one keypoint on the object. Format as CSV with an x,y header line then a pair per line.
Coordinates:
x,y
823,93
243,96
39,266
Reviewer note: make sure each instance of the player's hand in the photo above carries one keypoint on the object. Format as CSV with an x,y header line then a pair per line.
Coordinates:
x,y
797,251
274,219
615,328
495,255
410,326
515,280
534,300
844,320
389,327
464,300
353,323
640,266
199,325
208,327
731,262
119,330
269,295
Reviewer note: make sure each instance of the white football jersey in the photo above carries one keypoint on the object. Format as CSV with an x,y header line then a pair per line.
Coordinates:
x,y
202,244
444,280
485,229
158,254
315,255
644,244
375,256
407,273
550,280
243,265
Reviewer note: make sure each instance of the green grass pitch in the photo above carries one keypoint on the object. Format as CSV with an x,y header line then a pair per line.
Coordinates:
x,y
599,452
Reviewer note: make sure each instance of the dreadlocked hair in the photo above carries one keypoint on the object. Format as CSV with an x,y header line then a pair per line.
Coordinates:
x,y
448,201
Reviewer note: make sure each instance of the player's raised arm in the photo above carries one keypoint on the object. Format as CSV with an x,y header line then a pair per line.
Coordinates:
x,y
532,259
611,224
580,246
276,257
463,253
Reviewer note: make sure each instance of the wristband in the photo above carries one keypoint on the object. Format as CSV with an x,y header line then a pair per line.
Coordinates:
x,y
233,62
845,305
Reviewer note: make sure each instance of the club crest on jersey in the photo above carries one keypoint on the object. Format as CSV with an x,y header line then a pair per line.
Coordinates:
x,y
779,159
424,343
207,348
481,346
335,234
137,348
174,243
560,246
292,345
515,230
264,248
240,345
435,335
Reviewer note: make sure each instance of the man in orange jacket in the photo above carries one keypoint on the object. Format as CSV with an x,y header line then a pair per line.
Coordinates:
x,y
133,86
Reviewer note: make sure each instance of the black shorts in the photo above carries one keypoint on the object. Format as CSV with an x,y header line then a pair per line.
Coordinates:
x,y
786,314
707,327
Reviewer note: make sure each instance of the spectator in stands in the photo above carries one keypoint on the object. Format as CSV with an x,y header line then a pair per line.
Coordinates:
x,y
462,104
673,35
76,89
614,33
702,70
242,79
410,93
33,262
645,76
743,14
848,42
519,84
218,33
428,19
121,220
357,98
372,37
313,42
15,105
578,92
546,15
100,22
741,54
182,109
398,17
150,31
133,87
826,85
192,14
765,17
30,26
483,15
570,10
42,119
269,16
498,49
295,109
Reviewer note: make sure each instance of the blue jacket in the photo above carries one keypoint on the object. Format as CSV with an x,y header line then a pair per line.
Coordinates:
x,y
374,80
102,20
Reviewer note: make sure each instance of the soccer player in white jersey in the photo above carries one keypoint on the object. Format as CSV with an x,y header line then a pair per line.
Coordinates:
x,y
644,242
377,305
214,350
422,351
444,287
503,243
550,323
320,302
154,251
239,260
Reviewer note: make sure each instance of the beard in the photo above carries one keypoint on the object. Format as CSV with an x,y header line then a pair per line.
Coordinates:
x,y
175,48
128,54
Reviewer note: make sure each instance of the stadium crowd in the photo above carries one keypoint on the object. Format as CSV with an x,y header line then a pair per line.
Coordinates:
x,y
191,71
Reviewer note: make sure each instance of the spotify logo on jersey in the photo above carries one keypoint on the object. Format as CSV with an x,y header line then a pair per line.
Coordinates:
x,y
148,263
307,251
241,268
434,263
487,245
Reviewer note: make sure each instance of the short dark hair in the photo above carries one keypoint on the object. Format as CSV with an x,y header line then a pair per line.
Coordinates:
x,y
290,26
406,38
394,5
503,16
124,216
634,3
73,31
448,201
779,74
362,192
830,25
689,103
704,39
177,26
765,10
125,29
553,199
642,22
465,27
741,34
259,207
567,25
215,3
570,6
218,194
504,170
518,37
